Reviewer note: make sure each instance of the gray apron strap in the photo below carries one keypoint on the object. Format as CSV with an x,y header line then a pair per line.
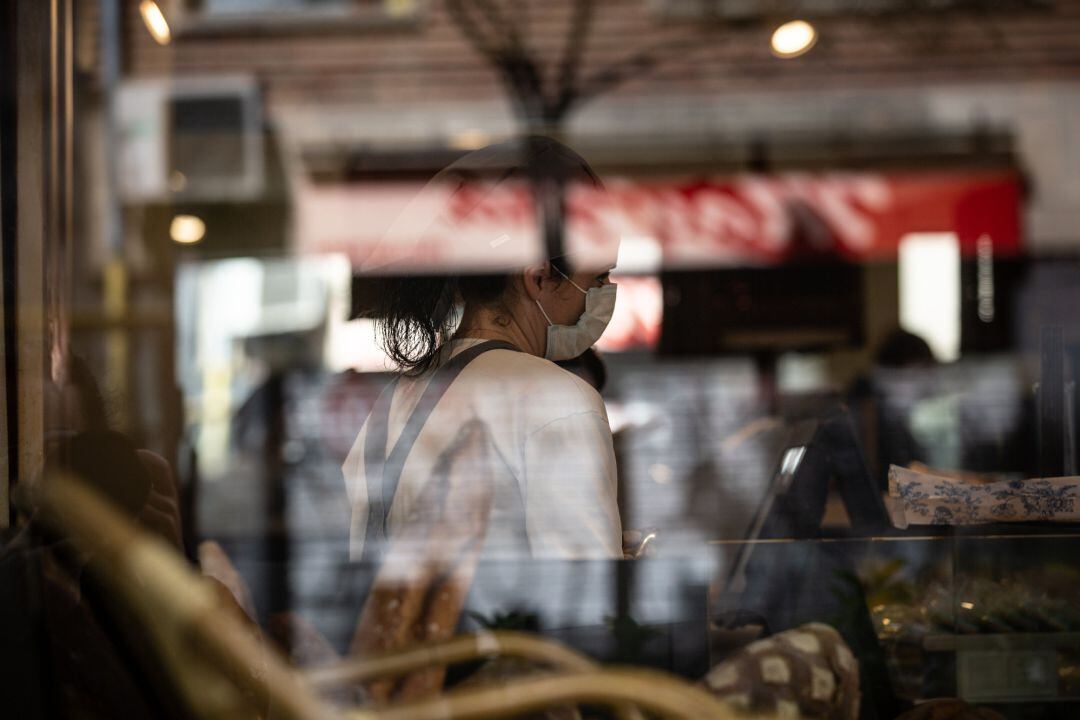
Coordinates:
x,y
382,471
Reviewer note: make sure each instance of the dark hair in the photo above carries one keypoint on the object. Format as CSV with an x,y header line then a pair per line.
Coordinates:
x,y
901,348
415,314
589,366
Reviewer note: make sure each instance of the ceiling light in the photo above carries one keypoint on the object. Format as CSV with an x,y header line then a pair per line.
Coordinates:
x,y
792,39
187,229
155,21
470,140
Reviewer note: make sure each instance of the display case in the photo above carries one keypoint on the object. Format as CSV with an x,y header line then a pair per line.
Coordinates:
x,y
984,614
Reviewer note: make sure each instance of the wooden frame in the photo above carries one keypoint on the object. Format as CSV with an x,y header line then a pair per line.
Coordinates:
x,y
7,242
43,209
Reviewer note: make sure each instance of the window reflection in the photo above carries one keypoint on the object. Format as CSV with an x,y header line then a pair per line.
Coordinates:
x,y
336,329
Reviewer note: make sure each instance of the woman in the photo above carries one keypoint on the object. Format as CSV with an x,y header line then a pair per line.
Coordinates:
x,y
551,462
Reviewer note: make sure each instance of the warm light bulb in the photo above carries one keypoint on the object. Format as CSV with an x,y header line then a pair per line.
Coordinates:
x,y
155,21
470,140
187,229
794,38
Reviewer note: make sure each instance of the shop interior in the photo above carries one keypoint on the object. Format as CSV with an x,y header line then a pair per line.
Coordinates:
x,y
839,377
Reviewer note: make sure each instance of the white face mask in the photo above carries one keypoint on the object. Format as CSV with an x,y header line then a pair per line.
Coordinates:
x,y
565,342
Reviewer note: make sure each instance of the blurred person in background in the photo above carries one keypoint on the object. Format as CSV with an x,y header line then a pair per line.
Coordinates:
x,y
94,665
886,423
78,440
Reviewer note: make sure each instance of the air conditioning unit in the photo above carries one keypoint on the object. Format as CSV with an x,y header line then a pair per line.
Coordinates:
x,y
190,139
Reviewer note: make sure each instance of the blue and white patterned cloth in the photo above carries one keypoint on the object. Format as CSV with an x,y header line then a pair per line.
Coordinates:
x,y
919,498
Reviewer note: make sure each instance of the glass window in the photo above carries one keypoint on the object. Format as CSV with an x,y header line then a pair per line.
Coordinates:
x,y
662,359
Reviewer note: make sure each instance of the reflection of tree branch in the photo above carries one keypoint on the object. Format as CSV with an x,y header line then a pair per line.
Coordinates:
x,y
504,45
523,77
521,71
507,54
460,15
495,18
620,71
521,22
570,67
615,74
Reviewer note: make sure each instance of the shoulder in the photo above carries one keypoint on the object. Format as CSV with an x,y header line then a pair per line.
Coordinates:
x,y
544,388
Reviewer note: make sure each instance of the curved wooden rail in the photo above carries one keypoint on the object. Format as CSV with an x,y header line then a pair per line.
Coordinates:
x,y
462,648
218,664
659,693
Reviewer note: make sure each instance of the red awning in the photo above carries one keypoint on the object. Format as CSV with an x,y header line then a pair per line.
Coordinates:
x,y
697,221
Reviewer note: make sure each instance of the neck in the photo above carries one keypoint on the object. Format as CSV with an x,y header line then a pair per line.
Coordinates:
x,y
488,324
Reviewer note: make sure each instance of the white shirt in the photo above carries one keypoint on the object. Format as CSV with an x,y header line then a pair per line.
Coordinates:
x,y
555,483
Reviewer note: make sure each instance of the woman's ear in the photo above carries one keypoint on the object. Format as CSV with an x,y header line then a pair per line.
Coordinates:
x,y
534,277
